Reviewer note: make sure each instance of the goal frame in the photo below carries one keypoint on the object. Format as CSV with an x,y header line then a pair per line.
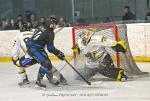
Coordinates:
x,y
126,60
114,26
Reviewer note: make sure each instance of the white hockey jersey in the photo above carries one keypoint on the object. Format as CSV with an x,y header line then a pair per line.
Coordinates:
x,y
19,47
98,45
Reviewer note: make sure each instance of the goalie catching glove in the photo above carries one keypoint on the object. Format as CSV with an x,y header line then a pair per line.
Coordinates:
x,y
119,46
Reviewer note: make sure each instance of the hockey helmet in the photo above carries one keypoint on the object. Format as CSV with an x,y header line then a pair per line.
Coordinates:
x,y
86,37
53,20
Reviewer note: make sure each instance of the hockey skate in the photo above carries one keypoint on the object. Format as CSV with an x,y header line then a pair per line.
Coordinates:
x,y
52,80
63,81
24,82
121,76
39,81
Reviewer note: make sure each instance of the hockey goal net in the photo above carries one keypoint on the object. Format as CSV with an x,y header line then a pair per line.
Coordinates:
x,y
116,32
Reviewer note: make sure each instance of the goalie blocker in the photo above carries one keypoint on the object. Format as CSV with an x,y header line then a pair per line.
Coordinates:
x,y
119,46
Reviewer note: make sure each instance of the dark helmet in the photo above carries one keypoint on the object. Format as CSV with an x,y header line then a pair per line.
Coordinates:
x,y
26,27
29,26
53,20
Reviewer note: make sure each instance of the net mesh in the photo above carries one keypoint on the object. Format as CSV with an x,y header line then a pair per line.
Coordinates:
x,y
113,32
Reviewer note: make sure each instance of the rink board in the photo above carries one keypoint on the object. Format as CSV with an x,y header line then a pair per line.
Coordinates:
x,y
138,35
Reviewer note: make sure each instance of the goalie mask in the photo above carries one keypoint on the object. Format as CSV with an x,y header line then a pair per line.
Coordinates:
x,y
86,37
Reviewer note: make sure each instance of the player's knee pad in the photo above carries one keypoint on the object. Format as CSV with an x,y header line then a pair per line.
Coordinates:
x,y
47,64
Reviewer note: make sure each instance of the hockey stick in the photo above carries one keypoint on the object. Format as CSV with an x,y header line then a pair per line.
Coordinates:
x,y
89,83
65,65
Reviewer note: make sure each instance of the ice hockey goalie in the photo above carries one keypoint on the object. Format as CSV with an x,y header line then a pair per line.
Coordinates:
x,y
93,47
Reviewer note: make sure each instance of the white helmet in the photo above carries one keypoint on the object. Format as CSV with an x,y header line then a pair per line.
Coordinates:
x,y
86,37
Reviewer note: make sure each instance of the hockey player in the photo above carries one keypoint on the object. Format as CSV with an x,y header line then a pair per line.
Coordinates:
x,y
36,48
98,60
23,60
19,50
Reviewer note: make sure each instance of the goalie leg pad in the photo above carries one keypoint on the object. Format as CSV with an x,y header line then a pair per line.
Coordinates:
x,y
114,73
106,61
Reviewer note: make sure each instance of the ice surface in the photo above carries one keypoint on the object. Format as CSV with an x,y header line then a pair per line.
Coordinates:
x,y
135,90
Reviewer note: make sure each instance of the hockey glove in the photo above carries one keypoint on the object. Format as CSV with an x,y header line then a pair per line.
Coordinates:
x,y
61,56
119,46
16,62
76,49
